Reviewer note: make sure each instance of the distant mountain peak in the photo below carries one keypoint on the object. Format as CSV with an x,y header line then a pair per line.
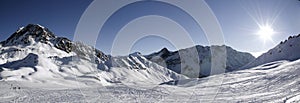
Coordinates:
x,y
176,60
29,34
35,33
164,52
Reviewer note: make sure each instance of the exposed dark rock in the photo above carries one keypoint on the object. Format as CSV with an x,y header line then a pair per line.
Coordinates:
x,y
63,44
31,31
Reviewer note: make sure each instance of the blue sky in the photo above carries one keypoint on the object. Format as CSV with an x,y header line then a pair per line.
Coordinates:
x,y
60,16
239,20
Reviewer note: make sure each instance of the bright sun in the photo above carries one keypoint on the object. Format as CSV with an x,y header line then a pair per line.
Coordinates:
x,y
266,33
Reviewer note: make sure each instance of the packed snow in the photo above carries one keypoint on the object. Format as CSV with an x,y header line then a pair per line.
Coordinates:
x,y
274,82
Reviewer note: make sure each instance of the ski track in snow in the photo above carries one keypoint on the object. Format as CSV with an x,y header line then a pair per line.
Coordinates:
x,y
275,82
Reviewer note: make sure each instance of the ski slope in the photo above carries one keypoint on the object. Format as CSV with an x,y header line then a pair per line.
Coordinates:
x,y
274,82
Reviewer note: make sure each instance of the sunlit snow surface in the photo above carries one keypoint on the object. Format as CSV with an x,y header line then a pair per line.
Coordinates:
x,y
272,82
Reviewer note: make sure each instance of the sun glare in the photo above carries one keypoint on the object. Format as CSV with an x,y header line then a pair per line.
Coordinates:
x,y
266,33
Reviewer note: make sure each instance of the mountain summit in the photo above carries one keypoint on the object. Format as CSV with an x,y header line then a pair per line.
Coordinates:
x,y
33,33
29,34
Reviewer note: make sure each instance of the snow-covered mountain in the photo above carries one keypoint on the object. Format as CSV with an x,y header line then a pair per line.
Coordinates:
x,y
285,50
172,60
35,54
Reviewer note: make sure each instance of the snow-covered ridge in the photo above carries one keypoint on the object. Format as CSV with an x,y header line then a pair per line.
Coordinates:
x,y
285,50
172,60
35,54
33,34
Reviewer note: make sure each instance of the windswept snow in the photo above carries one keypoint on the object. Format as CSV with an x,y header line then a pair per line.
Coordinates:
x,y
274,82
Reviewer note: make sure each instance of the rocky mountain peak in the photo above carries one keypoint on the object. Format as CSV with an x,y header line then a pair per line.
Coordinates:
x,y
164,50
35,33
164,53
28,35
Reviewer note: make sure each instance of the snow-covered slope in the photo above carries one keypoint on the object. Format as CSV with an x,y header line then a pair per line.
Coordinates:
x,y
172,60
286,50
275,82
35,54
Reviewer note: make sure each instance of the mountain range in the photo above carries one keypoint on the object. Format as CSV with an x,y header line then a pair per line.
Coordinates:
x,y
34,50
33,45
175,60
33,54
